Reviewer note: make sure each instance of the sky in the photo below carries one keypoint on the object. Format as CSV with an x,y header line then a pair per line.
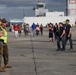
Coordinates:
x,y
16,8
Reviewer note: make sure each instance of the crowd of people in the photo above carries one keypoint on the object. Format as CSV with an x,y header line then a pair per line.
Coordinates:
x,y
36,29
62,32
16,28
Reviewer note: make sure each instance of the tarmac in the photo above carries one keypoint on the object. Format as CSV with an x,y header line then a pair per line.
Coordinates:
x,y
38,56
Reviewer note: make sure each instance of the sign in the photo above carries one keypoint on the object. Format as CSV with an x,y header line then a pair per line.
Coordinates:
x,y
16,21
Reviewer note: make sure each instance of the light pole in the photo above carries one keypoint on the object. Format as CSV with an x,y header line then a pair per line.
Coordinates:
x,y
23,12
66,7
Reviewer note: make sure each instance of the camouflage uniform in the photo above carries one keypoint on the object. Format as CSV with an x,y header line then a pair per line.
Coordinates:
x,y
5,48
1,51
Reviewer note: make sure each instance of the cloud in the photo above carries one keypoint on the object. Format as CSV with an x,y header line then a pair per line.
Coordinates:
x,y
15,3
16,12
14,8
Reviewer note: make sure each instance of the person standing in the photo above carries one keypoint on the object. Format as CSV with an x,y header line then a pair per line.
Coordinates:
x,y
41,29
61,37
27,29
16,30
5,46
1,46
24,27
34,29
50,27
68,33
37,30
19,29
55,30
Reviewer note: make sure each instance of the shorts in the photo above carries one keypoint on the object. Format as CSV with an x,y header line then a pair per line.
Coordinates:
x,y
50,35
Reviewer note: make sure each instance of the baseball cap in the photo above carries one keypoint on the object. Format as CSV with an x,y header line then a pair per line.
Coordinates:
x,y
3,20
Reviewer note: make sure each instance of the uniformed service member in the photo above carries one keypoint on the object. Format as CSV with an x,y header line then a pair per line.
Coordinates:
x,y
4,47
1,46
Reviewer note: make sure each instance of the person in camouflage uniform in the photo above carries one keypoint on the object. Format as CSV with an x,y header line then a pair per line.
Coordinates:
x,y
1,47
5,46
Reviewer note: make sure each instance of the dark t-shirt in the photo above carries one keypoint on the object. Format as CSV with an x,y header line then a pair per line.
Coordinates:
x,y
56,31
61,30
68,29
50,31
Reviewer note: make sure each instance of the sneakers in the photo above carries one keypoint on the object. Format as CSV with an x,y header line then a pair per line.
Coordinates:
x,y
58,49
63,49
71,49
8,66
2,70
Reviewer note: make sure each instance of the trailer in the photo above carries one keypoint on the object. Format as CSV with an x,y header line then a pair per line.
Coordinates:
x,y
45,20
